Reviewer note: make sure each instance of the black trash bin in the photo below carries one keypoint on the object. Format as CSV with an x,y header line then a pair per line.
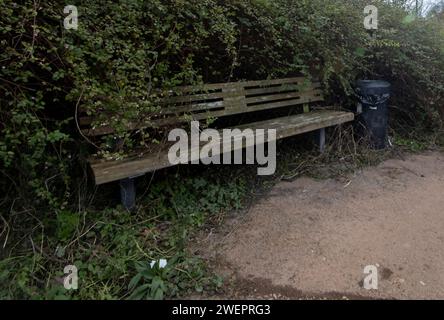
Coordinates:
x,y
374,96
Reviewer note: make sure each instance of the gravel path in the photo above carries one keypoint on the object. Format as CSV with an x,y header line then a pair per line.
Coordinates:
x,y
312,238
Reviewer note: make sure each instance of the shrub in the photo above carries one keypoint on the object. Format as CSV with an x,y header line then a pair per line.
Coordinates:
x,y
126,53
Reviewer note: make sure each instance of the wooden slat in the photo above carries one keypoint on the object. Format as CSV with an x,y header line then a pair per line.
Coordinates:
x,y
195,107
192,108
291,95
178,111
202,90
302,123
229,110
260,107
285,103
265,90
197,97
280,88
235,101
217,86
237,98
108,171
297,80
203,87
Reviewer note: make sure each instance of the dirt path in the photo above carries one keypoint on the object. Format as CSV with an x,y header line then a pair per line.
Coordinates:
x,y
311,238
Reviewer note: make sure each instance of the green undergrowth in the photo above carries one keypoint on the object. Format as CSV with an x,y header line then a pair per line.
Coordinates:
x,y
110,247
124,57
113,249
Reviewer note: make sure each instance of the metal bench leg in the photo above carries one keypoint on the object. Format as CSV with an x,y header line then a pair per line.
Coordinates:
x,y
128,193
322,140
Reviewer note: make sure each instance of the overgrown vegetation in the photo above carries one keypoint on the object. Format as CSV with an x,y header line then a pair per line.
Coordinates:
x,y
120,60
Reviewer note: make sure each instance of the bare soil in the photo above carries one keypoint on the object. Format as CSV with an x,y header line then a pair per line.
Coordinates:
x,y
311,239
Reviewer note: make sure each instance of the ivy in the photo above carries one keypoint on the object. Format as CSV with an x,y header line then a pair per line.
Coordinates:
x,y
127,53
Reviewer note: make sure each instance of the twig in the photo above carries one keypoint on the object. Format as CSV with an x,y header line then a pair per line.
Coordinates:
x,y
6,228
77,121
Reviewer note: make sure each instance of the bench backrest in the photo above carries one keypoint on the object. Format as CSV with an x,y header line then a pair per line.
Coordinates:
x,y
224,99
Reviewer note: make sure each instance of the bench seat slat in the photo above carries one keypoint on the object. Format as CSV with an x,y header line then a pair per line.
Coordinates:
x,y
108,171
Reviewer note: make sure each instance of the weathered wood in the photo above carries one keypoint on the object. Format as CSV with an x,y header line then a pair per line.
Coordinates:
x,y
108,171
229,99
87,120
237,97
290,95
302,123
302,81
274,89
188,94
227,108
198,97
215,86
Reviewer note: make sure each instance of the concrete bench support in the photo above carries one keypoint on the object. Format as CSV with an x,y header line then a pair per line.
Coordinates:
x,y
128,193
322,140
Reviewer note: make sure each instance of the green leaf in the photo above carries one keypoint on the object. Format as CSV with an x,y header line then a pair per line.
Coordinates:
x,y
360,52
140,292
134,281
409,19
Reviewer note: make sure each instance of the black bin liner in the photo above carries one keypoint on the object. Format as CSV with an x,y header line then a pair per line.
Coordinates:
x,y
374,96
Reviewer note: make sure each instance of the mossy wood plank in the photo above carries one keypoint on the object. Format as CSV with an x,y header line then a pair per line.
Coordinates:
x,y
108,171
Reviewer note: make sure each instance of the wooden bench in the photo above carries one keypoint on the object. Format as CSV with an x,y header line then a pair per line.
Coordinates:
x,y
216,101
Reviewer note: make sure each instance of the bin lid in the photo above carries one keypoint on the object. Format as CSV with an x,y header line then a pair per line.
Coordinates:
x,y
373,87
